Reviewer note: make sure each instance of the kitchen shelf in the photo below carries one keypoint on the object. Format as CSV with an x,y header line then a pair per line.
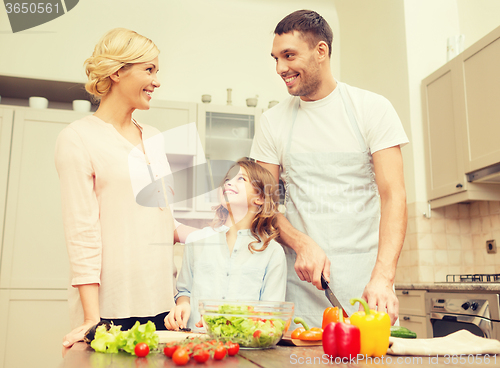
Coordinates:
x,y
17,90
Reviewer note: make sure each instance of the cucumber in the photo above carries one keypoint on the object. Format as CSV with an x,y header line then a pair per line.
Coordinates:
x,y
400,331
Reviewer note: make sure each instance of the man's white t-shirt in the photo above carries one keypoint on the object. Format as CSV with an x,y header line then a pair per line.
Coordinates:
x,y
323,126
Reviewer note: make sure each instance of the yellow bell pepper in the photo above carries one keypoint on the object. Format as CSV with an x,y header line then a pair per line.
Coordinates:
x,y
375,329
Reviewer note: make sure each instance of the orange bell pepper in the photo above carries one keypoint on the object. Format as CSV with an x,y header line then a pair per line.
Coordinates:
x,y
296,333
332,314
305,333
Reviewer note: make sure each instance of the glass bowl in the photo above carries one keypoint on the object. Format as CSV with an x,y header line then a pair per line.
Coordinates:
x,y
251,324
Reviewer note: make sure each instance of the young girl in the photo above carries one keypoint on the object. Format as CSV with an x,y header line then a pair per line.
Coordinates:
x,y
237,257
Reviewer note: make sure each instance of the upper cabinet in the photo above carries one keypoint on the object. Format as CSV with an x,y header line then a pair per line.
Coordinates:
x,y
461,129
481,75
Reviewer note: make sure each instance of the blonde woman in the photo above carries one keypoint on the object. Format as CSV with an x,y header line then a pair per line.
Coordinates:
x,y
237,257
120,252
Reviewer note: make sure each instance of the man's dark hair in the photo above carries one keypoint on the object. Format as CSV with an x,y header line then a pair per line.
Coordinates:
x,y
310,24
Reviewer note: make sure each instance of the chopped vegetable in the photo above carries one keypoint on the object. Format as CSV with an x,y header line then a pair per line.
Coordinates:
x,y
255,332
305,333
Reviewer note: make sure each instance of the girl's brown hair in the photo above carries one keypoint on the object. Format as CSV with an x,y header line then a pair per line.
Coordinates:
x,y
264,226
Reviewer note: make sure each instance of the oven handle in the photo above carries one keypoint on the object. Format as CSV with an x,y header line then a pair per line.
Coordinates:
x,y
484,324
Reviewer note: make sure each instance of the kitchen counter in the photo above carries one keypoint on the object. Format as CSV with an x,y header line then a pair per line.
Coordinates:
x,y
451,286
82,356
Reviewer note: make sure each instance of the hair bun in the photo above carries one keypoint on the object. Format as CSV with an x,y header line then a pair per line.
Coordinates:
x,y
117,48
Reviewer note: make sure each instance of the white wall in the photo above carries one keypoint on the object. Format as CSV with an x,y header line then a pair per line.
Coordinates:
x,y
373,57
206,46
477,18
429,23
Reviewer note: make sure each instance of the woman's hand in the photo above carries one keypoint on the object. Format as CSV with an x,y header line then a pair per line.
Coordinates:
x,y
178,316
76,335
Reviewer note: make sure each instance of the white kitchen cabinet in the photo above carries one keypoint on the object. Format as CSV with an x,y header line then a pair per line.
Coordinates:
x,y
442,133
34,252
6,115
417,324
32,326
412,311
481,97
226,134
166,115
460,118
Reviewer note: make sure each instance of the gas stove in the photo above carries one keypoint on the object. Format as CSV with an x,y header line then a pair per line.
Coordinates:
x,y
474,278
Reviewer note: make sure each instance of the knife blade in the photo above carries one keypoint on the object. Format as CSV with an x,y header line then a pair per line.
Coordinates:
x,y
331,296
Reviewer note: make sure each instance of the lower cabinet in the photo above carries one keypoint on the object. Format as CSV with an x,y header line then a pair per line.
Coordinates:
x,y
416,324
412,311
32,326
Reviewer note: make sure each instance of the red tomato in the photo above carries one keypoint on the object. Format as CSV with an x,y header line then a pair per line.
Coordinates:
x,y
169,350
220,352
141,349
257,333
232,348
201,356
181,356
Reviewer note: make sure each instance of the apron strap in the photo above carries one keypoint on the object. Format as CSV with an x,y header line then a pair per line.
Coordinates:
x,y
349,109
295,111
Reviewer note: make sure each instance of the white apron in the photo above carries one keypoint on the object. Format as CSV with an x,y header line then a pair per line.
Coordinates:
x,y
333,198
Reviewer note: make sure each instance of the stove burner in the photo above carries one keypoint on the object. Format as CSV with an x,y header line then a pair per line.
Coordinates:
x,y
473,278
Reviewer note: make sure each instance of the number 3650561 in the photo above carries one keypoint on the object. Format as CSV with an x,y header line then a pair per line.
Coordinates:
x,y
33,8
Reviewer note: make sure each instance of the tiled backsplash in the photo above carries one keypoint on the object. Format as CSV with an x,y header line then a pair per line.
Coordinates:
x,y
452,241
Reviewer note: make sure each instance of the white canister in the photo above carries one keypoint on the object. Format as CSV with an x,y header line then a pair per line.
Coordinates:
x,y
454,46
38,102
81,105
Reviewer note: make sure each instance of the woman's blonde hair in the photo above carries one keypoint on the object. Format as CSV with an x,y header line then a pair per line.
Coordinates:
x,y
117,49
264,226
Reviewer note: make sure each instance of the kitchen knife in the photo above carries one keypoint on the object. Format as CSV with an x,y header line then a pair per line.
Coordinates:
x,y
331,296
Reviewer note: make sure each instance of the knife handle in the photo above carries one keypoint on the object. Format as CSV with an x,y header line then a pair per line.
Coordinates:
x,y
324,284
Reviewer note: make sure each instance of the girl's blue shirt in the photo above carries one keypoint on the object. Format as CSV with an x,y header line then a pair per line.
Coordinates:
x,y
209,271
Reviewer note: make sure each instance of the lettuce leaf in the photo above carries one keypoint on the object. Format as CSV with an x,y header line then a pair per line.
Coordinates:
x,y
114,340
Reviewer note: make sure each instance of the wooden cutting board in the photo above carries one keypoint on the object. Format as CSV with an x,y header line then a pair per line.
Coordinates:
x,y
287,340
168,336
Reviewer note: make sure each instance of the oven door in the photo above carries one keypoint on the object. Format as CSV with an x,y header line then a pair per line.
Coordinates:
x,y
446,323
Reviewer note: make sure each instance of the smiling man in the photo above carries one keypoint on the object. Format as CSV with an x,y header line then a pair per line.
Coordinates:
x,y
337,148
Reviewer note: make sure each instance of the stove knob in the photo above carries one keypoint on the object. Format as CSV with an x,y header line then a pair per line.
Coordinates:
x,y
474,306
466,305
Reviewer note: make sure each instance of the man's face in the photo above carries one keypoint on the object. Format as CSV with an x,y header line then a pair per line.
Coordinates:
x,y
296,64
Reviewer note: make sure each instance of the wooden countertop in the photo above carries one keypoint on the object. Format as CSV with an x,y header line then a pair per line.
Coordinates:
x,y
451,286
82,356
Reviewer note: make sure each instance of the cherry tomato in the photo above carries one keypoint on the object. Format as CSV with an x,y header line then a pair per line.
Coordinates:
x,y
220,352
169,350
141,349
257,333
232,348
201,356
181,356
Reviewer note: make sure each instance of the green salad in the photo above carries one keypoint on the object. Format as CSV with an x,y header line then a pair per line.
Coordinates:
x,y
234,323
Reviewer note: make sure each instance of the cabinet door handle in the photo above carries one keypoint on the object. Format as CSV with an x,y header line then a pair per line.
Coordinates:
x,y
405,292
406,318
459,185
